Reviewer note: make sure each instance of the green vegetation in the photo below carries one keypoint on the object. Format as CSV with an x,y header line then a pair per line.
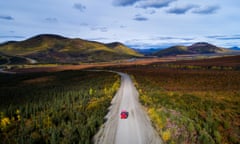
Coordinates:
x,y
120,48
191,105
56,49
11,60
60,107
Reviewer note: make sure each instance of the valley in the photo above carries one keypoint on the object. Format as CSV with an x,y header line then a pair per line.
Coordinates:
x,y
188,101
49,95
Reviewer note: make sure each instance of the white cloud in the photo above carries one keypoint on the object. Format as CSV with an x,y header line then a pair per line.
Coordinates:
x,y
154,3
124,2
207,9
120,22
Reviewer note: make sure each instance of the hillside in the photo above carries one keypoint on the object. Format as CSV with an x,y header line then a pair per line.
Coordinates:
x,y
196,48
122,49
6,59
57,49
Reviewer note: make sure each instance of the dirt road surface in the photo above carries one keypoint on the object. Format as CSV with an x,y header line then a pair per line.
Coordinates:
x,y
136,129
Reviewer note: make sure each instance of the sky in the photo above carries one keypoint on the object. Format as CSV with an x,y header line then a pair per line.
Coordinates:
x,y
136,23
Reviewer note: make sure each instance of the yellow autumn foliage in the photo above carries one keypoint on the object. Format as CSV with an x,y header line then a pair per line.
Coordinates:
x,y
146,99
95,102
4,122
47,122
18,114
17,111
155,118
166,135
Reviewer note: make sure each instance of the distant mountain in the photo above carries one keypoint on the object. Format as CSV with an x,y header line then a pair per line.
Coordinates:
x,y
49,48
171,51
149,51
196,48
235,48
203,48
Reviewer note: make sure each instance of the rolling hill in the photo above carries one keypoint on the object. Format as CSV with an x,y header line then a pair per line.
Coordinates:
x,y
49,48
196,48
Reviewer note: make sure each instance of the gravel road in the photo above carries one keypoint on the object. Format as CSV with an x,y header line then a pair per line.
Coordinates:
x,y
136,129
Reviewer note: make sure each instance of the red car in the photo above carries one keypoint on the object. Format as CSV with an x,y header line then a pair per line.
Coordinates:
x,y
124,114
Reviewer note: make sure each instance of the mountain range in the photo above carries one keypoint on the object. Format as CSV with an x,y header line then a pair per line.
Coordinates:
x,y
196,48
235,48
47,48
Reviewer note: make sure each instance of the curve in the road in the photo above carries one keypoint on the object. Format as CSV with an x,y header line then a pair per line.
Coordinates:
x,y
136,129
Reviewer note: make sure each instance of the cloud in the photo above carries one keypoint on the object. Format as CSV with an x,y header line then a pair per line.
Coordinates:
x,y
163,38
215,36
97,39
181,10
84,24
171,38
225,37
154,3
5,17
229,38
79,7
123,26
124,2
102,29
159,42
51,20
161,45
139,17
11,36
151,12
206,10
